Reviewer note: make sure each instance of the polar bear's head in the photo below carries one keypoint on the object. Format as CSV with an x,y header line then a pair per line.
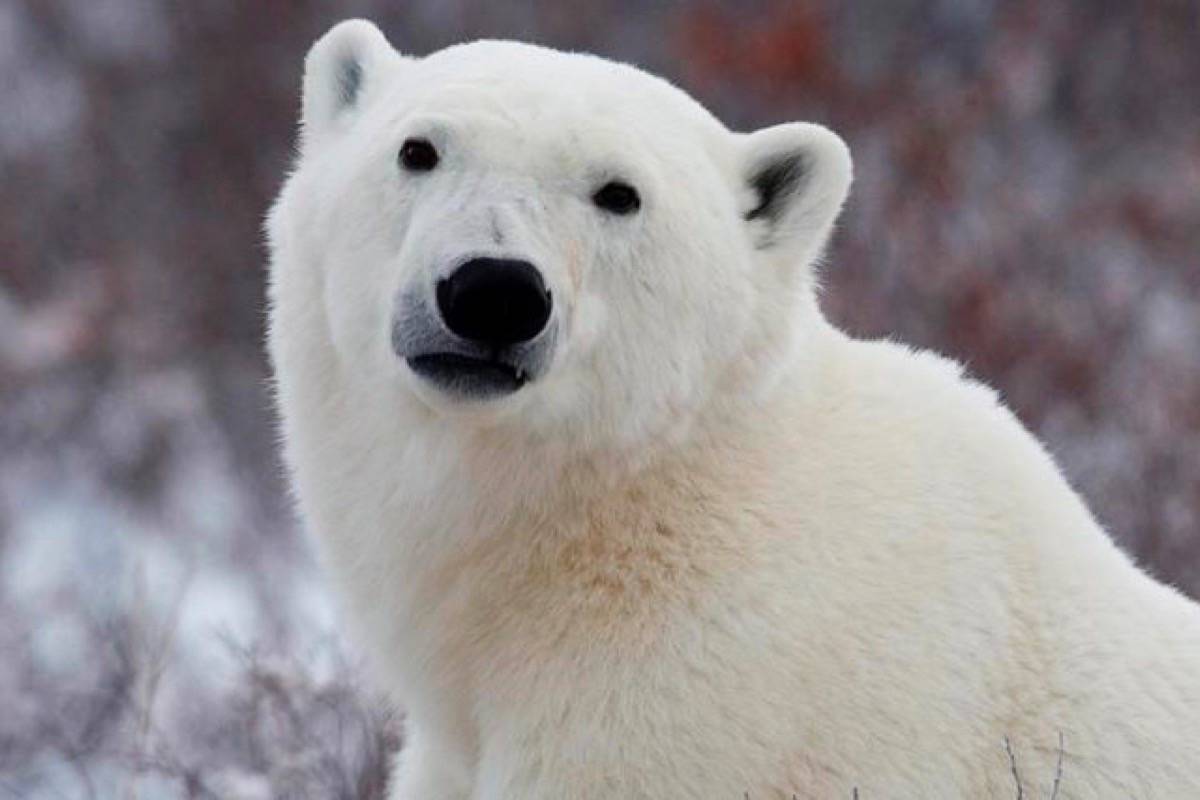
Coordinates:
x,y
500,234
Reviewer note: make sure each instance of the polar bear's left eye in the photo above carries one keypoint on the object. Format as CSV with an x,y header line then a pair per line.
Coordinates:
x,y
617,197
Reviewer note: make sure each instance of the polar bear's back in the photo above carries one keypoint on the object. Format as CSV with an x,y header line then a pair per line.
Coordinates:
x,y
967,546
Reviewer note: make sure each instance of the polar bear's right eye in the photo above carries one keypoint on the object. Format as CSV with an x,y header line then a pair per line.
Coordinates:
x,y
418,155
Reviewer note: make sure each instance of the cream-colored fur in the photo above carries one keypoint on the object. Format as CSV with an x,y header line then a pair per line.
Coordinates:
x,y
720,550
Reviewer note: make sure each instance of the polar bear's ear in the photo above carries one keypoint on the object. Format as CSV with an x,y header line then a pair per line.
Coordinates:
x,y
797,176
342,71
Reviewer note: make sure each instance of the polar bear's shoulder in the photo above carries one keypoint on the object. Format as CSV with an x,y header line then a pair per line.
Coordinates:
x,y
894,378
893,410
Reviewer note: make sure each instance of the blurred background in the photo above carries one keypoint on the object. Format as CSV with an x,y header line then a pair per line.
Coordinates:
x,y
1027,200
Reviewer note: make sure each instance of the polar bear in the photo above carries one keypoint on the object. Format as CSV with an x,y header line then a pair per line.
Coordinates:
x,y
616,513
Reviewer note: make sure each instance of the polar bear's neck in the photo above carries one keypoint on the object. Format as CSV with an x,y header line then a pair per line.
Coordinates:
x,y
425,526
490,481
438,484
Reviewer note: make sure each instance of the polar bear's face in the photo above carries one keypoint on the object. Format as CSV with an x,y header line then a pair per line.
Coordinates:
x,y
508,235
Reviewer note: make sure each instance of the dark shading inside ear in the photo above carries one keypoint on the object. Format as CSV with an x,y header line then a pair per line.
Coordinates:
x,y
775,183
350,78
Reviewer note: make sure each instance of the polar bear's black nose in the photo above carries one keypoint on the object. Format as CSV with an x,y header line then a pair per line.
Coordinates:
x,y
494,301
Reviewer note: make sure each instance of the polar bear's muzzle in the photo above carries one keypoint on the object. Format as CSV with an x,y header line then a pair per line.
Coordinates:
x,y
483,332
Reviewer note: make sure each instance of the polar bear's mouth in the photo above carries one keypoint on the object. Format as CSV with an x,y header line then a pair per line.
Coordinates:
x,y
468,375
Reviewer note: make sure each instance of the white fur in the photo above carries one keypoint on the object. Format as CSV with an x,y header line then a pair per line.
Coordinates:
x,y
720,549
